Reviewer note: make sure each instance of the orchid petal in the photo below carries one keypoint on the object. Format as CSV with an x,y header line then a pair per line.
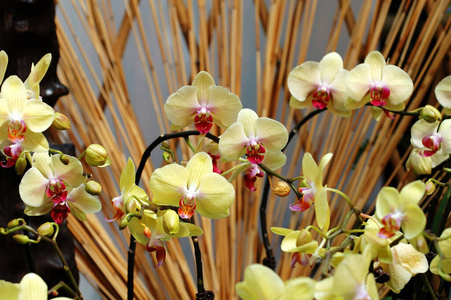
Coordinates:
x,y
10,291
4,113
413,192
248,117
322,211
398,82
421,129
376,61
37,73
260,282
197,166
35,142
32,188
442,91
225,106
322,165
32,287
445,132
359,82
387,201
295,103
329,67
127,179
181,106
281,231
414,221
202,81
168,184
271,133
37,115
81,203
3,64
215,196
72,173
232,142
274,160
302,288
136,229
309,167
15,94
304,79
412,260
43,162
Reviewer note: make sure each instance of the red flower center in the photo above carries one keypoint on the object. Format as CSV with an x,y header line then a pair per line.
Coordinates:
x,y
379,95
16,131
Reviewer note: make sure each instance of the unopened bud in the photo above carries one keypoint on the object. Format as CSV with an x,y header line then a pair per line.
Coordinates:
x,y
282,189
123,224
147,232
64,159
167,156
429,187
61,122
21,239
97,156
171,222
93,188
304,184
430,114
21,165
46,229
13,223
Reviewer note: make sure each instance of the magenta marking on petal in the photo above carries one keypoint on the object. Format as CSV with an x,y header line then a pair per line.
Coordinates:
x,y
203,122
59,213
379,95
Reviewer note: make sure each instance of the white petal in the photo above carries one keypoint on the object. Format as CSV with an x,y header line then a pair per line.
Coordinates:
x,y
224,106
271,133
181,106
443,92
359,82
72,173
248,117
398,82
329,67
197,166
203,81
376,61
421,129
32,188
168,184
304,79
232,142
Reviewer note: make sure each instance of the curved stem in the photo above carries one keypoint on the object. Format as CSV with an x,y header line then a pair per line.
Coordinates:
x,y
351,206
270,260
145,156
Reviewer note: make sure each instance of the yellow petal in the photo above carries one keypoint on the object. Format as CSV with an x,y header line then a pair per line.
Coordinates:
x,y
15,94
3,64
199,165
413,192
412,260
181,106
32,287
309,167
271,133
37,73
358,84
376,61
248,117
387,201
301,288
202,81
10,291
414,221
398,82
232,143
322,211
442,91
304,80
295,103
329,66
260,282
168,184
224,105
127,179
214,196
32,188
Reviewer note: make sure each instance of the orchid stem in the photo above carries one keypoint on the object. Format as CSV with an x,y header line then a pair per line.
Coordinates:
x,y
145,156
351,206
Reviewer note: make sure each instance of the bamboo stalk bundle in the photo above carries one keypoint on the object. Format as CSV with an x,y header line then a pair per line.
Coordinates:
x,y
172,41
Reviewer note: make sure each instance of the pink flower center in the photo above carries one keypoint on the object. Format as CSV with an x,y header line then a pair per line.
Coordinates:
x,y
59,212
255,152
56,190
12,152
250,176
392,223
158,246
187,206
203,121
16,131
321,98
432,142
379,95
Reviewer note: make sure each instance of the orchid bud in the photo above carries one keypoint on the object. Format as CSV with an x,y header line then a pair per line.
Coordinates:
x,y
21,239
93,188
97,156
21,165
430,187
13,223
171,222
147,232
61,122
282,189
64,159
304,184
430,114
130,205
123,224
46,229
167,156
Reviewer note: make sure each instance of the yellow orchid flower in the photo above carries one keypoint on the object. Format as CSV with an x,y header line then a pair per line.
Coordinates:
x,y
22,120
52,186
131,194
380,84
252,136
260,282
193,188
400,210
202,103
3,64
314,191
320,84
443,94
406,263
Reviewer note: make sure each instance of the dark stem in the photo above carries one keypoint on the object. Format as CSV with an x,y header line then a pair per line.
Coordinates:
x,y
270,260
199,270
145,156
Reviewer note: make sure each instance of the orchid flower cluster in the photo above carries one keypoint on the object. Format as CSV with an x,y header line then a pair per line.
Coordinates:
x,y
384,247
